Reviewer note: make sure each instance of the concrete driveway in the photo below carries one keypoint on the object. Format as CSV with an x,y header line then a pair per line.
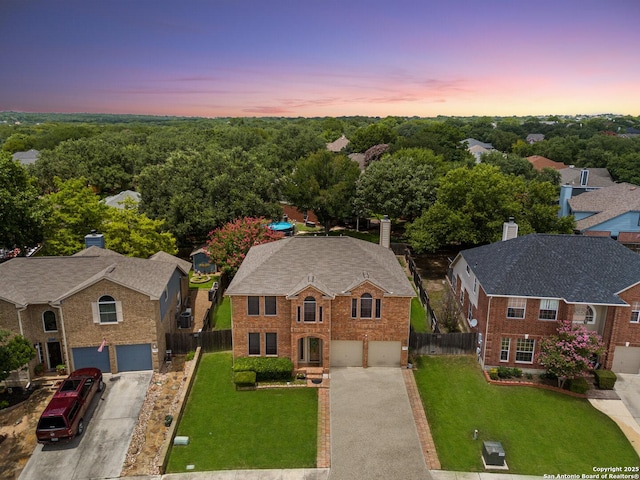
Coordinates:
x,y
373,433
628,389
100,451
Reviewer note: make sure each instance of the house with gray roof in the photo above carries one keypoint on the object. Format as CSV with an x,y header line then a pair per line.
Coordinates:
x,y
119,200
515,291
27,158
70,306
322,302
612,211
576,181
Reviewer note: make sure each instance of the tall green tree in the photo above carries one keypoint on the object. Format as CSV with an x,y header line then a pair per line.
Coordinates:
x,y
401,185
131,233
21,210
473,203
374,134
324,183
15,352
75,210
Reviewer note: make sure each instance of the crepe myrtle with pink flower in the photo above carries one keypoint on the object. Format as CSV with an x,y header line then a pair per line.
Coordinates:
x,y
228,245
570,353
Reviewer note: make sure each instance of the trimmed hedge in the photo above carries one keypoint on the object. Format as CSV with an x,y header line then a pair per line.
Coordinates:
x,y
579,385
266,368
244,378
606,379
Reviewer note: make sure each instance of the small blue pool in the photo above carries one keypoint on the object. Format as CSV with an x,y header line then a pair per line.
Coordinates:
x,y
284,227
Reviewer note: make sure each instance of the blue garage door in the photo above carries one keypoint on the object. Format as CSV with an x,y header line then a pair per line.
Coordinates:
x,y
91,357
134,357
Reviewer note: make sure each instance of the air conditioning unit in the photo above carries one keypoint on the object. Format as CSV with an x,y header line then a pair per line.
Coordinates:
x,y
185,319
493,454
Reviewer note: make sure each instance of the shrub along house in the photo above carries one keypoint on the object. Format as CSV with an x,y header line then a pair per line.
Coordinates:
x,y
68,306
322,301
513,293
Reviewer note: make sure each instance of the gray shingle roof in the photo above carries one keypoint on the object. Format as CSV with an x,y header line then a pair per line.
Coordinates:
x,y
332,264
37,280
598,177
573,267
606,203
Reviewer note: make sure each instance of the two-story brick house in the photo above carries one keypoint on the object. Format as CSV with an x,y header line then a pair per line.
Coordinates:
x,y
69,307
322,301
513,293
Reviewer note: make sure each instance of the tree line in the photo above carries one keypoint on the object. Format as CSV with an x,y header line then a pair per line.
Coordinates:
x,y
195,175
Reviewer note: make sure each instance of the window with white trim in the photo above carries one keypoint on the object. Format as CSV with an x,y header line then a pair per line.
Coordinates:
x,y
635,312
253,305
270,306
548,309
584,314
271,344
505,346
254,344
524,350
516,307
107,309
49,321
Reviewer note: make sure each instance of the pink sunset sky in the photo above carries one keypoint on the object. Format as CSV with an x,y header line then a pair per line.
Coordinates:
x,y
321,57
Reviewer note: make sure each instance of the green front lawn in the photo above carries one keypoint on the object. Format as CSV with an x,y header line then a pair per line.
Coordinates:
x,y
229,429
542,432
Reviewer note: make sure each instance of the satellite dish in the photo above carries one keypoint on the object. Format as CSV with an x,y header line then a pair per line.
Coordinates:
x,y
473,322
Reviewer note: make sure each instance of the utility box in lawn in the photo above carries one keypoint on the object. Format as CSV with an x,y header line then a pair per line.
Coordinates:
x,y
493,454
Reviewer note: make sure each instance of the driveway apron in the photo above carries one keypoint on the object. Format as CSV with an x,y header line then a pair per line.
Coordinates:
x,y
373,433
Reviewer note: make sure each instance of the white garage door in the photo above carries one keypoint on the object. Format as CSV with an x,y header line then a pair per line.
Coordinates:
x,y
384,354
626,360
346,353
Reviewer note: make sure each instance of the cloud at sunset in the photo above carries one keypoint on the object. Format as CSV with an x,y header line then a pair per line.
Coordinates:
x,y
251,58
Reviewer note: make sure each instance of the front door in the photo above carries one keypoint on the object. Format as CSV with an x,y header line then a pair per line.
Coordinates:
x,y
310,351
55,354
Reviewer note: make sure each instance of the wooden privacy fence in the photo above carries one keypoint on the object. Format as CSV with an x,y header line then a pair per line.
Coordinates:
x,y
208,341
443,343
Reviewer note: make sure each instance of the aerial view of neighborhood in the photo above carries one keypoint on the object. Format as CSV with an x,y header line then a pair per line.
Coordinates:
x,y
319,241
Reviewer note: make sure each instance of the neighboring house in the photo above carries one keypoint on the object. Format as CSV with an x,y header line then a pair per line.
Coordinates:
x,y
576,181
117,201
535,137
513,293
201,262
338,145
70,307
28,157
539,163
612,211
322,301
478,148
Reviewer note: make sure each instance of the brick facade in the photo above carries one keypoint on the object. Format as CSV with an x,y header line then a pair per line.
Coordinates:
x,y
337,323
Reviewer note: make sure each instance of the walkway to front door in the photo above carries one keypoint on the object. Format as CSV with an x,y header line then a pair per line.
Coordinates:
x,y
373,433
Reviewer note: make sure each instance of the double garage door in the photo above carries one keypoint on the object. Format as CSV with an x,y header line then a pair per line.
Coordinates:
x,y
349,353
130,358
626,360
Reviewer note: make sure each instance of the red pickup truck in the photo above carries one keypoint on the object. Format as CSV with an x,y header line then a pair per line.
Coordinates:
x,y
63,418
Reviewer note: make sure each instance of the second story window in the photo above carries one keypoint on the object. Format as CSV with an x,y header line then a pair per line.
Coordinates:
x,y
49,321
310,309
548,309
253,305
366,305
107,309
516,307
635,312
270,306
584,314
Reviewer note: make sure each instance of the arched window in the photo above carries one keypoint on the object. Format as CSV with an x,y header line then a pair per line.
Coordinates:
x,y
310,309
49,321
584,314
366,305
107,309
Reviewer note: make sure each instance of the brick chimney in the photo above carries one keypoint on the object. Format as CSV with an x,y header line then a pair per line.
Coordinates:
x,y
385,232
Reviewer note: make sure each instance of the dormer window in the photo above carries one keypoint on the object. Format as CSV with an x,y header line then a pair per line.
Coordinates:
x,y
584,177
